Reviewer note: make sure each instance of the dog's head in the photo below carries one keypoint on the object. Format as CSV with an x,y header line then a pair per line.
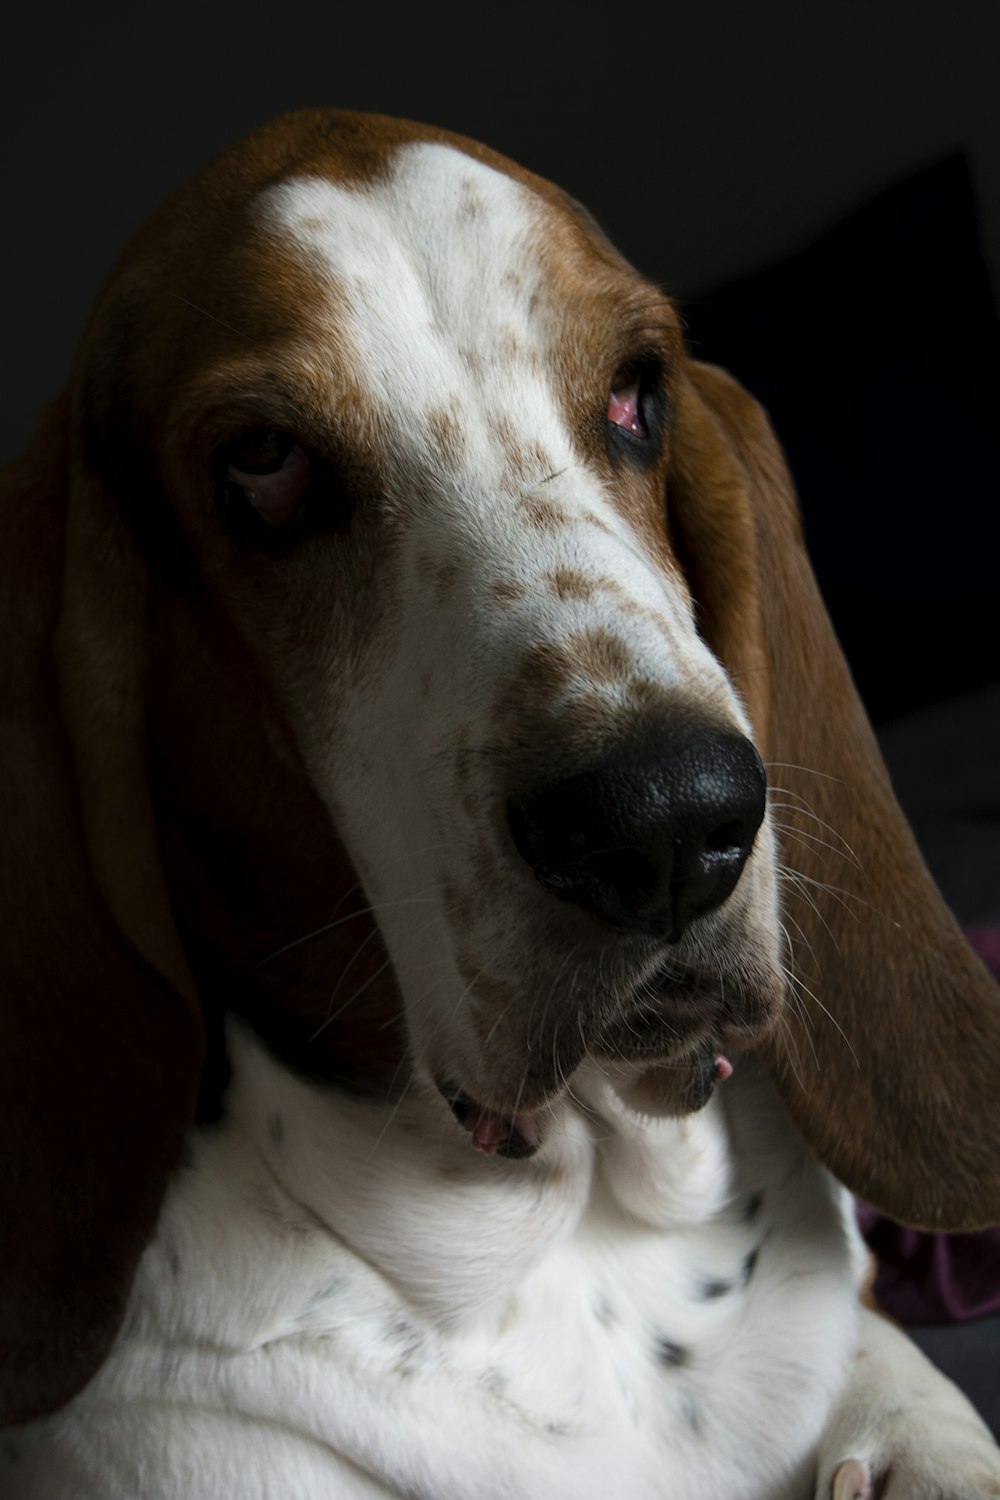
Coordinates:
x,y
426,623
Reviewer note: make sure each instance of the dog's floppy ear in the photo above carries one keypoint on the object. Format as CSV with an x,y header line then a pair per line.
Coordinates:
x,y
889,1052
100,1034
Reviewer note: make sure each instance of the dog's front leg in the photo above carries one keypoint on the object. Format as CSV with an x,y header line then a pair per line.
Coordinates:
x,y
902,1431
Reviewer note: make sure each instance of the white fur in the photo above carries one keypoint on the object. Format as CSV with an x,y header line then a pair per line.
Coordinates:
x,y
344,1300
370,1297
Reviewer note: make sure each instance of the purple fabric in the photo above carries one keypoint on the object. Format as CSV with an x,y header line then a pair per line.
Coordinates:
x,y
938,1278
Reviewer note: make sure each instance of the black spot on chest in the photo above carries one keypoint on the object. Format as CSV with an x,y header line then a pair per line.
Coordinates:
x,y
603,1311
494,1380
671,1354
322,1295
714,1287
408,1344
692,1415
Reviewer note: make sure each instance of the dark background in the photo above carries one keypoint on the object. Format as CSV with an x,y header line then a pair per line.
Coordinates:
x,y
817,180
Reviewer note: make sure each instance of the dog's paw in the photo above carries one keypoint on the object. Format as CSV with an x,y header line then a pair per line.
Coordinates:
x,y
902,1431
957,1475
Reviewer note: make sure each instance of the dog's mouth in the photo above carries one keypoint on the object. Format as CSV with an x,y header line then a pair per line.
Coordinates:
x,y
667,1088
663,1040
515,1136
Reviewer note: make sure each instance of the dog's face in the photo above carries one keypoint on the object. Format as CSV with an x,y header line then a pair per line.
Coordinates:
x,y
420,452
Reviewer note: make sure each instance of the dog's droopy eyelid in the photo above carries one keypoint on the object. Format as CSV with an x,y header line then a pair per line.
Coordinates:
x,y
272,472
259,450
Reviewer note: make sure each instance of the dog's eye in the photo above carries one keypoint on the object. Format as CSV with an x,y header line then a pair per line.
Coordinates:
x,y
636,406
625,408
271,471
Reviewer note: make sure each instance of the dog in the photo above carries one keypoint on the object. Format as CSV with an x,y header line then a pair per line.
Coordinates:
x,y
461,944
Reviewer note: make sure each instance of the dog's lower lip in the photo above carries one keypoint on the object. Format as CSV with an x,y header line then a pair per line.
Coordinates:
x,y
514,1136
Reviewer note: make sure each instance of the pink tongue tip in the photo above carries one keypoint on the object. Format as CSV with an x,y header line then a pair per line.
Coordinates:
x,y
723,1067
491,1130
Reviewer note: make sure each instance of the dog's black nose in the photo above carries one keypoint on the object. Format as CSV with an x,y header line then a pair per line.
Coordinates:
x,y
650,839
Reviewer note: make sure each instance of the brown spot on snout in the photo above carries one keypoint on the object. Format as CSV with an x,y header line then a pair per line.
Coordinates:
x,y
600,656
447,435
438,576
543,514
526,458
548,669
508,591
545,672
570,583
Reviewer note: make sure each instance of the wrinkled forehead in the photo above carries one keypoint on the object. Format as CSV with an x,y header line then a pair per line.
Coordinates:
x,y
426,257
427,237
444,262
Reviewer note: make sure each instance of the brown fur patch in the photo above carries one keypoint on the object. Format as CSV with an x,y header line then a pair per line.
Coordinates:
x,y
526,458
446,575
437,576
570,583
508,591
591,519
600,656
588,720
544,674
508,346
447,434
543,514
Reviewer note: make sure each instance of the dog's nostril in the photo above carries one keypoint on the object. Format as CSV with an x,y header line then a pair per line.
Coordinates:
x,y
726,839
650,839
618,866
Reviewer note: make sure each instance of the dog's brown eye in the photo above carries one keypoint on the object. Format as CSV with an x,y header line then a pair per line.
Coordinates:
x,y
271,471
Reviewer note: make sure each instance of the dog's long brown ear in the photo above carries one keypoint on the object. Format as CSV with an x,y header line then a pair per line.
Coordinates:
x,y
889,1053
100,1036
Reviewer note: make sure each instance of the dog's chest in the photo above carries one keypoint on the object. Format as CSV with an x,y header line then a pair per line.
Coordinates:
x,y
636,1312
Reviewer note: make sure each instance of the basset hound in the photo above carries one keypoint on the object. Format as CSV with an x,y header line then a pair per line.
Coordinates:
x,y
460,942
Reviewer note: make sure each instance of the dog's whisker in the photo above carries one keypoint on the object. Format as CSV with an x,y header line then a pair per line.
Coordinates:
x,y
803,939
803,990
808,770
804,808
808,841
352,999
389,1119
843,852
353,916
